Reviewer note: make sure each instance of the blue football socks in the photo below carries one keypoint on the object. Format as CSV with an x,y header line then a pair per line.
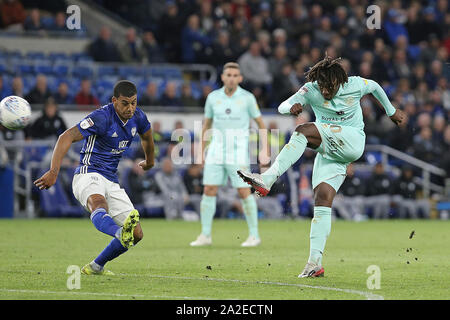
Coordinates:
x,y
104,223
112,251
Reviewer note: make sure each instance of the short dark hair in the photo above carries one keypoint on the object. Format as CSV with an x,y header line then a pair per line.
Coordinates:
x,y
124,88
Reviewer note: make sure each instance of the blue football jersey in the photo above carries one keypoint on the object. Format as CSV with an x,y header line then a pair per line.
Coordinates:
x,y
106,138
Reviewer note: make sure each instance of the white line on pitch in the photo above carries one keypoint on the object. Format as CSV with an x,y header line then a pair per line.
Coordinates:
x,y
367,295
100,294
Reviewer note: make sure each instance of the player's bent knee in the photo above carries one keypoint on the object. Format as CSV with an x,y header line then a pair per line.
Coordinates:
x,y
96,201
309,130
324,195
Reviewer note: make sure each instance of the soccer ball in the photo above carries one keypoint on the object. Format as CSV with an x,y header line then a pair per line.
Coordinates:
x,y
15,112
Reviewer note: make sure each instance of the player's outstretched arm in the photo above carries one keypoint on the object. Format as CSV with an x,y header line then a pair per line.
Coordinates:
x,y
396,115
63,144
148,145
288,108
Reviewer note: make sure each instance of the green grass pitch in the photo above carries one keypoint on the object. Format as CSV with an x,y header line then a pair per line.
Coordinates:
x,y
35,255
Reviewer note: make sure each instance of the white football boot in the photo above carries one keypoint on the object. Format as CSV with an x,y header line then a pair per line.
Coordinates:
x,y
312,270
255,180
201,240
251,242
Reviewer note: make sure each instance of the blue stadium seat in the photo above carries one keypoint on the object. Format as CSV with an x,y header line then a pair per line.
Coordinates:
x,y
173,73
44,68
56,56
24,69
130,71
60,70
106,71
55,203
35,55
82,72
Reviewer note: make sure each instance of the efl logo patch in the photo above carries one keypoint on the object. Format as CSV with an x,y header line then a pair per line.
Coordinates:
x,y
86,123
303,90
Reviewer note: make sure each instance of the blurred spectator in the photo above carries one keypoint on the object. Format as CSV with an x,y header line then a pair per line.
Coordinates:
x,y
444,159
59,24
401,139
379,189
170,96
62,95
222,50
10,156
150,96
193,41
263,38
406,196
40,93
103,49
206,89
33,21
424,148
143,187
170,26
17,87
132,50
350,200
4,91
193,180
278,60
85,96
154,52
254,67
173,190
393,26
323,34
13,13
187,100
298,25
285,84
49,125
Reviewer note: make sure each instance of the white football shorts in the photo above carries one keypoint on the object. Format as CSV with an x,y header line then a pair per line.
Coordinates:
x,y
119,204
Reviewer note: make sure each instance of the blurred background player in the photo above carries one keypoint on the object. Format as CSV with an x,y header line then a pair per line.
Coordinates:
x,y
228,112
337,135
108,132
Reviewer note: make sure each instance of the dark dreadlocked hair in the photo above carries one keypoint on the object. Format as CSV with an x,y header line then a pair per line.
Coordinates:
x,y
328,73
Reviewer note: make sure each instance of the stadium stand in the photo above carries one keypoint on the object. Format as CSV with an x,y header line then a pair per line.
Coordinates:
x,y
409,56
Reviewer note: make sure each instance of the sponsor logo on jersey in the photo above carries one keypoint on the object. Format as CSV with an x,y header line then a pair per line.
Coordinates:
x,y
123,144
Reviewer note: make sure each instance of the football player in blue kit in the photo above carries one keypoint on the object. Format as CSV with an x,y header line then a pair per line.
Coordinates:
x,y
107,133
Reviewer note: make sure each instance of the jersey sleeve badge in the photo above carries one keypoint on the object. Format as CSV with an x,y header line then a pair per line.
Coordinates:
x,y
86,123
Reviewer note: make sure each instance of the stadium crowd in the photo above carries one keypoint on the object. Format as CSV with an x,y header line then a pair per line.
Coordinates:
x,y
275,42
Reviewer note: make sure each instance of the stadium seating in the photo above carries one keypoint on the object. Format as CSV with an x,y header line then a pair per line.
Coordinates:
x,y
55,202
